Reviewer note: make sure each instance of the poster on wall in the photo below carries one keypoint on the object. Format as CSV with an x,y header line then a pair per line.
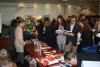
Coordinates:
x,y
0,23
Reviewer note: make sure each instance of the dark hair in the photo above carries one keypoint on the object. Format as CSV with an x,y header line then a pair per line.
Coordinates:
x,y
87,27
21,21
70,54
46,19
53,21
73,16
14,23
61,17
80,16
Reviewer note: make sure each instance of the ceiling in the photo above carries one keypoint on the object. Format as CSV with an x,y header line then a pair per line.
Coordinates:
x,y
51,1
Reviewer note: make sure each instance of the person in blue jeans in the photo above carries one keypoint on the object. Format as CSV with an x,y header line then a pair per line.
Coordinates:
x,y
19,42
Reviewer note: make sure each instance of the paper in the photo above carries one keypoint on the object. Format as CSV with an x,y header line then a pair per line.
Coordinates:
x,y
67,31
59,31
48,60
98,35
90,64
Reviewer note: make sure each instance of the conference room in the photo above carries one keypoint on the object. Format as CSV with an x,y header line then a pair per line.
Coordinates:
x,y
49,33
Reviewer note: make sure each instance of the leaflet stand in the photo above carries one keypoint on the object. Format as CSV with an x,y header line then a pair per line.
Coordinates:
x,y
38,51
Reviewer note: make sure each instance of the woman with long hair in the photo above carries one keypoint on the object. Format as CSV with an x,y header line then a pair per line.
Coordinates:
x,y
61,38
19,42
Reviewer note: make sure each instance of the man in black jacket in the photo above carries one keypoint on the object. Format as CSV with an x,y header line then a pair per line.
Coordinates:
x,y
74,28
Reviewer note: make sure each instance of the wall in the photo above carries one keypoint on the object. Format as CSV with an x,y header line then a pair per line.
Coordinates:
x,y
11,10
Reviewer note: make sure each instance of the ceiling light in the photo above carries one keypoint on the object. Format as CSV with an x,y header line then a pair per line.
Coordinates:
x,y
21,5
35,5
58,5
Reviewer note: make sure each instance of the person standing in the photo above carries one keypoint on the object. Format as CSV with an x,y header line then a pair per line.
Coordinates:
x,y
30,28
97,31
12,28
61,38
48,32
39,29
19,42
86,37
74,28
97,34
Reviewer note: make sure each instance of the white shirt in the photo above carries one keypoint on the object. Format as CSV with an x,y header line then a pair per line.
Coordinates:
x,y
19,43
71,27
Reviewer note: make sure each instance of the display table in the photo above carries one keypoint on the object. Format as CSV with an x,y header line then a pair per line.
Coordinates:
x,y
46,52
5,42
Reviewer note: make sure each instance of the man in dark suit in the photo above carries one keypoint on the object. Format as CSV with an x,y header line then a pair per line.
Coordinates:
x,y
74,28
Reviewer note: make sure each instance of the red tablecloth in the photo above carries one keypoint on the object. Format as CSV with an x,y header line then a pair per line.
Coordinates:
x,y
31,50
5,42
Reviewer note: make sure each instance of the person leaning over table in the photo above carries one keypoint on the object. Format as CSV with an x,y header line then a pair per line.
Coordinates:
x,y
30,28
19,42
75,59
48,32
39,29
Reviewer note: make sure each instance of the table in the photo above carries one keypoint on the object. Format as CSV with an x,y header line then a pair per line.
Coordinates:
x,y
5,42
31,50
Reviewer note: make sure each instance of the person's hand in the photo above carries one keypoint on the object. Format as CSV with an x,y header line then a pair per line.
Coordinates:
x,y
24,43
78,43
70,34
36,33
93,30
27,30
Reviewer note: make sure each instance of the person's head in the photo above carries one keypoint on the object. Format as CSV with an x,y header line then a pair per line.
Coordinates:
x,y
60,20
38,22
54,22
33,19
81,16
73,19
28,20
22,23
18,18
46,22
68,18
86,27
14,23
71,57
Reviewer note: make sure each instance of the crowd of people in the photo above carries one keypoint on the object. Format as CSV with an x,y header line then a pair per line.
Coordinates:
x,y
73,33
